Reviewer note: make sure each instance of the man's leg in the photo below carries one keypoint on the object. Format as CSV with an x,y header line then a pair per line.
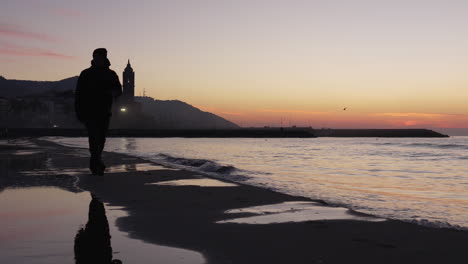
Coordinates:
x,y
102,128
94,145
97,131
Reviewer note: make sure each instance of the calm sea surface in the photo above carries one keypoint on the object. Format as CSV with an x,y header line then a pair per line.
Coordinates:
x,y
418,180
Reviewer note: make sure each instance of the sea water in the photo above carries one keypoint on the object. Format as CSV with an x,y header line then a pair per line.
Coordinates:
x,y
422,180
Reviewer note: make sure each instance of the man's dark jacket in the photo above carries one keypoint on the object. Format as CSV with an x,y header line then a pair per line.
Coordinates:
x,y
96,88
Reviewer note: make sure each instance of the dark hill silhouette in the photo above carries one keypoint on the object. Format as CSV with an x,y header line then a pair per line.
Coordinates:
x,y
175,114
13,88
172,114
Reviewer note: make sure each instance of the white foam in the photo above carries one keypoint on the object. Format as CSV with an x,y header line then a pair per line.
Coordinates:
x,y
294,212
202,182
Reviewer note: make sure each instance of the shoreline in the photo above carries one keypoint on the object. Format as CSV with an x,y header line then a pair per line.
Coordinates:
x,y
227,171
185,217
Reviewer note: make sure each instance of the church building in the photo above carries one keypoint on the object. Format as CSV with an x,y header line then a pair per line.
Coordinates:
x,y
128,80
126,103
127,113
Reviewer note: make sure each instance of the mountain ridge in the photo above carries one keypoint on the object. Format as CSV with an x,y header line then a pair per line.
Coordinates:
x,y
14,88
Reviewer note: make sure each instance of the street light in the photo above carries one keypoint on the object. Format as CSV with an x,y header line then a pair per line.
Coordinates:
x,y
123,109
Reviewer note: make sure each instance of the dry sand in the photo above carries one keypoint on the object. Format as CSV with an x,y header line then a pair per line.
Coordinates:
x,y
186,216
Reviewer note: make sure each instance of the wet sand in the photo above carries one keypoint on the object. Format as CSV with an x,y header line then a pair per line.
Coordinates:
x,y
192,214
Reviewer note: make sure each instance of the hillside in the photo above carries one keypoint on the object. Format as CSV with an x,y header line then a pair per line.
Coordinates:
x,y
176,114
172,114
13,88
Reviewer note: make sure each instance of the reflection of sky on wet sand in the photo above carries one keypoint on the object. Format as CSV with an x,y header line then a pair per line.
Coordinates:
x,y
135,167
17,143
39,226
27,167
69,172
202,182
25,152
136,251
111,169
294,212
128,144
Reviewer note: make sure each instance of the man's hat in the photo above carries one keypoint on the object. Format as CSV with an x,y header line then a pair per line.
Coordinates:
x,y
100,52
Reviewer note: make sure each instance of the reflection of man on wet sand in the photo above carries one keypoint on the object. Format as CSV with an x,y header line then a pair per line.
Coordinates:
x,y
96,89
93,243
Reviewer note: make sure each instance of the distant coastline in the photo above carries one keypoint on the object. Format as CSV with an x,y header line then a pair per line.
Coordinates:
x,y
378,133
288,132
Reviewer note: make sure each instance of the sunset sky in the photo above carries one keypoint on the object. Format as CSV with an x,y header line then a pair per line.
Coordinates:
x,y
261,62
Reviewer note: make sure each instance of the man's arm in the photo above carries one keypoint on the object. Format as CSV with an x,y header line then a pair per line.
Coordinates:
x,y
79,98
116,87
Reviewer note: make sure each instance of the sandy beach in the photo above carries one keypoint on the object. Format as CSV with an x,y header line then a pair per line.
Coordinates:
x,y
187,210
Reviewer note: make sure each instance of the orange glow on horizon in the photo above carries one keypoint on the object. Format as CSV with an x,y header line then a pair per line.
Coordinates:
x,y
339,119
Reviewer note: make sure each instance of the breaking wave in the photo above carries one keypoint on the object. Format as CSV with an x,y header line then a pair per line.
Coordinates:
x,y
203,166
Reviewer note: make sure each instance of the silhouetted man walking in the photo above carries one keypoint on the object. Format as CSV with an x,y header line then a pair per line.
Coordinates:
x,y
96,89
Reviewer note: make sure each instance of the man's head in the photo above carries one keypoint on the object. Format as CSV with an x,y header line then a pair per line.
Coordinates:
x,y
100,57
100,52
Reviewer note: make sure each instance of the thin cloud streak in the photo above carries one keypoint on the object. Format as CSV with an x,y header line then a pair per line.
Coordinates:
x,y
429,115
35,53
17,50
13,31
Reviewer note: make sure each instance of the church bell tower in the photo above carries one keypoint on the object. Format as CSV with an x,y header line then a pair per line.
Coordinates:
x,y
128,83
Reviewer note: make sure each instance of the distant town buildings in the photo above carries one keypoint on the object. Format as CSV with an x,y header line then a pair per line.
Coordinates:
x,y
50,109
4,108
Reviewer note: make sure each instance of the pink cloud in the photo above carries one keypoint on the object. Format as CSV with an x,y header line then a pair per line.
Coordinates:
x,y
14,31
67,12
412,115
16,50
35,53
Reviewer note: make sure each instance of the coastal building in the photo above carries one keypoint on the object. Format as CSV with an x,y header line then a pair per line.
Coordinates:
x,y
128,80
127,113
126,104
